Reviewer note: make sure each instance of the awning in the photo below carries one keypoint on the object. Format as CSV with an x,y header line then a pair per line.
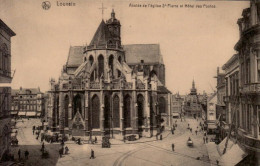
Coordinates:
x,y
221,146
175,114
212,126
21,113
14,112
232,156
30,113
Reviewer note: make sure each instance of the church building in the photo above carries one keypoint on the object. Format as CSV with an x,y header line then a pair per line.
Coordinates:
x,y
110,89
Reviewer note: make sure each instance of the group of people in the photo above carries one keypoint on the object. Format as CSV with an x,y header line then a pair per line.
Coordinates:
x,y
26,154
61,150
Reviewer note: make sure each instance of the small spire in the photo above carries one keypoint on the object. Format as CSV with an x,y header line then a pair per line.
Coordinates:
x,y
113,15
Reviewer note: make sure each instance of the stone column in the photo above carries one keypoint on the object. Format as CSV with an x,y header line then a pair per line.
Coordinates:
x,y
134,113
61,112
121,108
102,119
70,110
147,115
86,110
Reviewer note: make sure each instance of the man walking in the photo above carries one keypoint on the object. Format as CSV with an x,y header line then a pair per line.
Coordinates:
x,y
43,147
26,154
92,156
173,147
19,154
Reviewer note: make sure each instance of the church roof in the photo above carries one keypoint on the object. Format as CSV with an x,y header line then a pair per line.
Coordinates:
x,y
149,53
163,89
75,57
101,36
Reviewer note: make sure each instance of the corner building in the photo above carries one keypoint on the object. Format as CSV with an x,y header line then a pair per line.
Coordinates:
x,y
106,88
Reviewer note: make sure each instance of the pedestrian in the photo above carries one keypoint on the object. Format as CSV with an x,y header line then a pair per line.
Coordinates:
x,y
66,150
60,152
161,137
92,156
95,139
26,154
188,125
173,147
33,132
43,147
19,154
204,139
207,139
196,132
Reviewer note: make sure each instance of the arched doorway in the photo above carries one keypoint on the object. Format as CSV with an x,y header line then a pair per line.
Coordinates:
x,y
127,111
66,111
140,112
100,66
95,111
77,105
107,113
111,64
116,114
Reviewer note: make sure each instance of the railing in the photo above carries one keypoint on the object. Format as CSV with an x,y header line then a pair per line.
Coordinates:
x,y
226,98
248,141
140,86
251,88
128,85
65,86
76,86
94,85
116,85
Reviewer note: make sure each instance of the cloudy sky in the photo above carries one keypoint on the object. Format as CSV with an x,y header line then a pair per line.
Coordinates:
x,y
193,41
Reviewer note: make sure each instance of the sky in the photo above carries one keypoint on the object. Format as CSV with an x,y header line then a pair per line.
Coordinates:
x,y
193,41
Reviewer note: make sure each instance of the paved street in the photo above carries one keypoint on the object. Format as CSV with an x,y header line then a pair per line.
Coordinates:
x,y
145,152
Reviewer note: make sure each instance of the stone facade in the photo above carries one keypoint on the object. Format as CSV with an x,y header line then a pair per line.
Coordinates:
x,y
110,89
5,92
192,104
27,102
242,73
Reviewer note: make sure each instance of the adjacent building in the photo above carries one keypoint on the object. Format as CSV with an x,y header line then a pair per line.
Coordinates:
x,y
5,88
211,113
192,104
242,83
110,89
177,105
27,102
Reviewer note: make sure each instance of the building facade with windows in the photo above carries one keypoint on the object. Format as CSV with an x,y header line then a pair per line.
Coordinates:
x,y
242,76
177,105
110,89
192,104
248,48
5,90
27,102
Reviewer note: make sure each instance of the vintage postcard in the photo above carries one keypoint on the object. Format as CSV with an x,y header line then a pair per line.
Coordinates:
x,y
136,82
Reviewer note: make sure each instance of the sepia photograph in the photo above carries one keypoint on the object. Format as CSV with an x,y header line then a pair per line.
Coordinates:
x,y
129,83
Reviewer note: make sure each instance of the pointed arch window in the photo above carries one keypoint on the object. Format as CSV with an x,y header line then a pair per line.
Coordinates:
x,y
91,59
111,64
100,66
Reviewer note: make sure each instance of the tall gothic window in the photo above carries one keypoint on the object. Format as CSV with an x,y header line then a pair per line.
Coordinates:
x,y
116,115
66,110
107,112
91,59
111,64
162,105
127,111
100,66
76,105
95,111
140,105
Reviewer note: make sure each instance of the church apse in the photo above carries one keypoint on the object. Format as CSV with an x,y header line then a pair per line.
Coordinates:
x,y
110,89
